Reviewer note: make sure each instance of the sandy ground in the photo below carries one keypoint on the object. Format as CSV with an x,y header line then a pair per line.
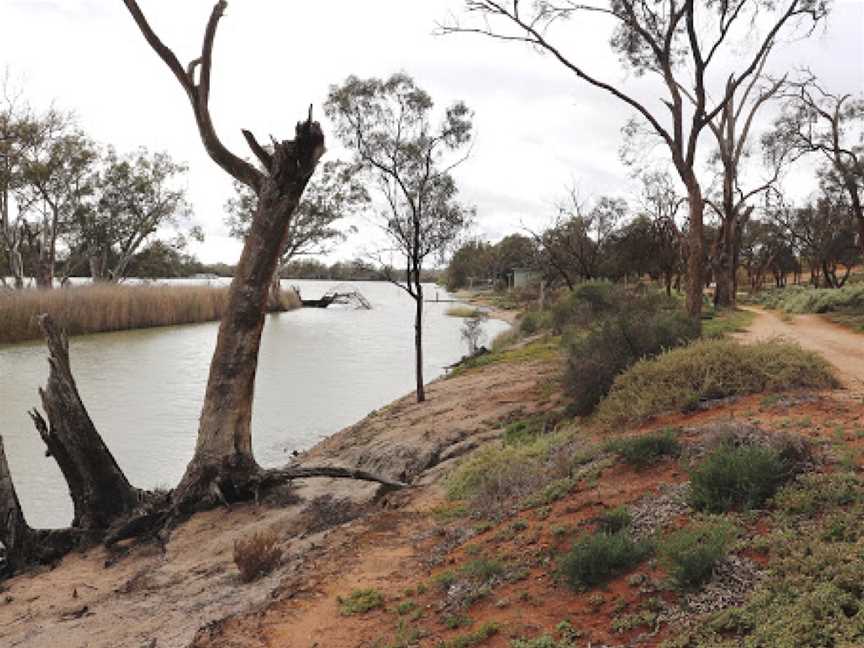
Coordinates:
x,y
842,347
160,597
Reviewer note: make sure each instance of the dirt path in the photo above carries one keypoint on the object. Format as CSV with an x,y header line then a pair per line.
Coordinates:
x,y
841,347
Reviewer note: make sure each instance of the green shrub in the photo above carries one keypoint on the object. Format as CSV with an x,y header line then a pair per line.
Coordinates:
x,y
527,430
534,321
636,332
690,554
643,450
495,478
613,520
814,493
734,478
360,601
475,638
680,379
599,557
804,299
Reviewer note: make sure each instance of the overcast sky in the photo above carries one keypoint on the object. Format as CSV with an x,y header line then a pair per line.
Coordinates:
x,y
538,128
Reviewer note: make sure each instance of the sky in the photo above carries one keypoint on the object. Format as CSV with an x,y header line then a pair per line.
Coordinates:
x,y
538,129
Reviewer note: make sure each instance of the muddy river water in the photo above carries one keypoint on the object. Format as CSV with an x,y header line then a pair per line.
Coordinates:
x,y
320,370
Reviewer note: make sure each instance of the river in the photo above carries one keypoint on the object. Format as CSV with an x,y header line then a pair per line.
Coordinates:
x,y
320,370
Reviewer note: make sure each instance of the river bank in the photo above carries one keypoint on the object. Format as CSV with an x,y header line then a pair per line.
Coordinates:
x,y
171,593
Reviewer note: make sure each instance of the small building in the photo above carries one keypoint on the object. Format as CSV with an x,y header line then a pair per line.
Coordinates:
x,y
523,277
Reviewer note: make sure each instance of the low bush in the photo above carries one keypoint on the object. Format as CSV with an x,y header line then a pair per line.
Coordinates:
x,y
598,557
636,332
527,430
484,632
614,520
811,594
690,554
645,449
463,311
361,601
813,493
257,555
803,299
534,321
495,476
735,478
680,379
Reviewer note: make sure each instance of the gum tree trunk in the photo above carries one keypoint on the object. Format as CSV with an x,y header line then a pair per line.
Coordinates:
x,y
223,465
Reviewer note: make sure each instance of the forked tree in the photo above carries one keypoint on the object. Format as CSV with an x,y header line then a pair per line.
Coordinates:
x,y
678,42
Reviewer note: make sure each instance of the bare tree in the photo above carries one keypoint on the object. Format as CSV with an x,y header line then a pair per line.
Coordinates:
x,y
388,126
223,464
671,40
832,126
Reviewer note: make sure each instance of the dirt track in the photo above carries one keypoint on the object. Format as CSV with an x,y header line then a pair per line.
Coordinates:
x,y
841,347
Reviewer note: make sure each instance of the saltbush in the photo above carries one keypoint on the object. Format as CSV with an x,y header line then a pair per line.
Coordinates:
x,y
680,379
645,449
614,520
637,331
599,557
689,555
737,477
361,601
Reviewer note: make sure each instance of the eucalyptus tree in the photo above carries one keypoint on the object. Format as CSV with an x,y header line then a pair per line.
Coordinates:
x,y
677,42
329,198
136,196
390,128
575,246
830,125
732,129
15,120
58,182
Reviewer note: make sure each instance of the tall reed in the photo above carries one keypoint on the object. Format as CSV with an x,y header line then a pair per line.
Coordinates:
x,y
111,307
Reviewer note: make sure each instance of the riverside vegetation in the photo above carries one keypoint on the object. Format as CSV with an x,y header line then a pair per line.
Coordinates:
x,y
111,307
686,550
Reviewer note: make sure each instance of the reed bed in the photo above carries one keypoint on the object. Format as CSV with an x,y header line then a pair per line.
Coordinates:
x,y
101,308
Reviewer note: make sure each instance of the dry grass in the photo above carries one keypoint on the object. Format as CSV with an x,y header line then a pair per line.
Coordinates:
x,y
96,309
257,555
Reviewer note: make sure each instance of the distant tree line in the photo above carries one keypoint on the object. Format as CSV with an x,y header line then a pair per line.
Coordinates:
x,y
72,207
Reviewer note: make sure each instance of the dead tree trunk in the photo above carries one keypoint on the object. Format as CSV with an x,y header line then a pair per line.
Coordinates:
x,y
223,466
15,535
100,491
25,546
